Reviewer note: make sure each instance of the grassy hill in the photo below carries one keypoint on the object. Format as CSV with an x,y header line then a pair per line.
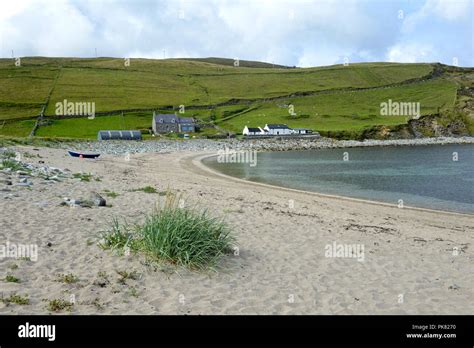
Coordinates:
x,y
326,99
232,62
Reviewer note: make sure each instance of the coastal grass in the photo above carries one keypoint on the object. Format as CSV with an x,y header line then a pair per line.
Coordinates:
x,y
16,299
82,176
8,154
111,194
58,305
124,275
182,236
146,189
67,278
12,164
12,279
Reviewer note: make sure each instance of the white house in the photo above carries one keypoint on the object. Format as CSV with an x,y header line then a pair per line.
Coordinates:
x,y
253,131
301,131
278,129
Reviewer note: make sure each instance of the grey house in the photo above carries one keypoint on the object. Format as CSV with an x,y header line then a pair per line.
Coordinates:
x,y
166,123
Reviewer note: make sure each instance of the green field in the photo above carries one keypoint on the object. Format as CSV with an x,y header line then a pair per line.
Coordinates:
x,y
329,98
347,110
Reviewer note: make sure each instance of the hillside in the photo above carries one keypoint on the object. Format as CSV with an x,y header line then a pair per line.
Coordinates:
x,y
341,101
232,62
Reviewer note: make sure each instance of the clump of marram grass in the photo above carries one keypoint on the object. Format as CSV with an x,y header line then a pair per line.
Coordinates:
x,y
183,236
8,154
12,164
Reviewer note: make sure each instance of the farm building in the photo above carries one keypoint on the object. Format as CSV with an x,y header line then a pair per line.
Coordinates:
x,y
278,129
119,135
253,131
302,131
166,123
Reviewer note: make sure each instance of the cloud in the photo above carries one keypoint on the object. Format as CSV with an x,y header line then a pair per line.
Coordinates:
x,y
439,10
410,53
301,32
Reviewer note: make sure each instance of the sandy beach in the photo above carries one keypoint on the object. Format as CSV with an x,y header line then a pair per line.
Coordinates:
x,y
415,261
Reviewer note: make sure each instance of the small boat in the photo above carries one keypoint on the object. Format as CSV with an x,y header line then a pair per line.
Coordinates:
x,y
83,155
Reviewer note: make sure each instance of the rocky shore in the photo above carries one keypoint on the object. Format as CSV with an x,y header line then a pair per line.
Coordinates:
x,y
276,144
26,169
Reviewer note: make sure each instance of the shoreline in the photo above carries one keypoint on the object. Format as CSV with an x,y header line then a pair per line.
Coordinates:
x,y
277,144
198,161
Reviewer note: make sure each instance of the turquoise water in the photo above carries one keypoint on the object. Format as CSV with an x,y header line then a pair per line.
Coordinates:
x,y
421,176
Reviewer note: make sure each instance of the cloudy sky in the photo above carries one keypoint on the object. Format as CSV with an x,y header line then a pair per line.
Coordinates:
x,y
291,32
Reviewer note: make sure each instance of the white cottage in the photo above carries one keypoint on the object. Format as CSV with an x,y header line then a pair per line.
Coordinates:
x,y
278,129
253,131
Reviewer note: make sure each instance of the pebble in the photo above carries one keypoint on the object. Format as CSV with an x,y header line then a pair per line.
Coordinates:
x,y
23,184
268,144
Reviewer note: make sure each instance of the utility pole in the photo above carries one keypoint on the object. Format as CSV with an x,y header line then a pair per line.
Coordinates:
x,y
96,52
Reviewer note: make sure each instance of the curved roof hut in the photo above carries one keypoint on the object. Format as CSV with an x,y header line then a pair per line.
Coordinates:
x,y
119,135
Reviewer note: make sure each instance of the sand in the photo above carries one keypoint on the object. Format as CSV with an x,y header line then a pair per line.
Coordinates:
x,y
281,266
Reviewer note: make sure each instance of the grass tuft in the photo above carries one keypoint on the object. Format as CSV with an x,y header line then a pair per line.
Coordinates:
x,y
16,299
124,275
67,278
183,236
12,279
12,164
111,194
146,189
82,176
59,305
8,154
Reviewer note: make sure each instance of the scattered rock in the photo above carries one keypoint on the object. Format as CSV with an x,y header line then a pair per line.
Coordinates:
x,y
22,172
97,199
23,184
